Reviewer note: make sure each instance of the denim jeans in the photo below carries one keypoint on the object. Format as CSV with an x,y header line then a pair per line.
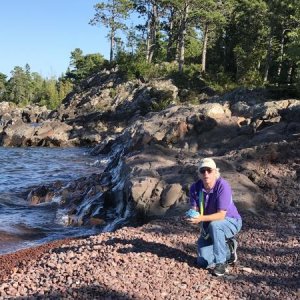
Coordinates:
x,y
214,249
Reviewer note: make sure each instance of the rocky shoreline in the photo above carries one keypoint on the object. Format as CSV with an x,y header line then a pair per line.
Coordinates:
x,y
154,141
157,261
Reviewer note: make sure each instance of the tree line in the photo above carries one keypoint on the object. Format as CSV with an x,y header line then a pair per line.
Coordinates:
x,y
245,41
25,87
224,43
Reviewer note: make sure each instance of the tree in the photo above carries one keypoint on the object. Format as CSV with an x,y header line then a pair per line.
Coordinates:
x,y
64,87
185,10
82,66
287,22
151,11
3,83
293,47
169,25
132,40
247,40
182,9
112,15
25,88
38,87
17,87
209,14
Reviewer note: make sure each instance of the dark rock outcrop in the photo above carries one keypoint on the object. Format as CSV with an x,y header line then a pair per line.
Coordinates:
x,y
154,145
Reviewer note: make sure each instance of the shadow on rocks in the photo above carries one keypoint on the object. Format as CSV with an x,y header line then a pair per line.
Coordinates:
x,y
171,225
269,287
84,292
285,275
270,252
161,250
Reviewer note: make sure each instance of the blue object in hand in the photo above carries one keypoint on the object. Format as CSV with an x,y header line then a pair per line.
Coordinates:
x,y
191,213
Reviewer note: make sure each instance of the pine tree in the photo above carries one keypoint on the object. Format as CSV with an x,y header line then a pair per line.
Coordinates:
x,y
3,83
112,15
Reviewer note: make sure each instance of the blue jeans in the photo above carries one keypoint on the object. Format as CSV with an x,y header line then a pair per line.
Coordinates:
x,y
214,249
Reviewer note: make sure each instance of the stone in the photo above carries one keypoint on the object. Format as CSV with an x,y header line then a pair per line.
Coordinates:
x,y
171,195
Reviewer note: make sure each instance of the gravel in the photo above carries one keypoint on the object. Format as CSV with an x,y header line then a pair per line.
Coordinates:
x,y
157,261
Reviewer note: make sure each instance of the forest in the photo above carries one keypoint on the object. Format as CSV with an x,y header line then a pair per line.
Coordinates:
x,y
198,43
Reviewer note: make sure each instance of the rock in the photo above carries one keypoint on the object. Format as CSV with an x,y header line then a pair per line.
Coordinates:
x,y
40,195
247,270
136,260
96,221
215,111
171,195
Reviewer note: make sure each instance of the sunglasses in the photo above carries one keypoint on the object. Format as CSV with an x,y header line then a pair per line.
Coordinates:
x,y
203,170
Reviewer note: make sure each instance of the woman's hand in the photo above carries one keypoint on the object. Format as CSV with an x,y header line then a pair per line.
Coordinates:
x,y
195,220
220,215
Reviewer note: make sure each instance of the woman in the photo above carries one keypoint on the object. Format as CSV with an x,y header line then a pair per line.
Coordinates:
x,y
211,196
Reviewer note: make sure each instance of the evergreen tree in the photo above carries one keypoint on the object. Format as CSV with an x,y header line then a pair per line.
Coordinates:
x,y
112,15
17,87
83,65
209,15
247,33
25,88
151,12
3,83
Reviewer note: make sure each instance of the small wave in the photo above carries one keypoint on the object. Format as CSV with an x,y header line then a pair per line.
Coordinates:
x,y
56,199
9,237
21,224
100,162
62,217
20,232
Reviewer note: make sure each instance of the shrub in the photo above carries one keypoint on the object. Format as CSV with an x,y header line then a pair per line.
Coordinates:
x,y
134,66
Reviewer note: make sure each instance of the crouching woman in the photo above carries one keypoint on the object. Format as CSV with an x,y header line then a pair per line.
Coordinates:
x,y
220,220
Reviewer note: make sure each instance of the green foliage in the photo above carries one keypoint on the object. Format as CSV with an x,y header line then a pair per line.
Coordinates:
x,y
160,99
189,78
25,88
193,48
160,105
83,65
134,66
220,44
3,83
112,14
18,87
113,93
294,45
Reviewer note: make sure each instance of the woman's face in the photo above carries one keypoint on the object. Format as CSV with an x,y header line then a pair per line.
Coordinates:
x,y
208,176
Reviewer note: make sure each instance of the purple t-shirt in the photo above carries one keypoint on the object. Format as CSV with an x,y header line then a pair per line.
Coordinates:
x,y
219,198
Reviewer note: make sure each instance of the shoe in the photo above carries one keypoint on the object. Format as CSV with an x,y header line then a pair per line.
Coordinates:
x,y
232,243
220,269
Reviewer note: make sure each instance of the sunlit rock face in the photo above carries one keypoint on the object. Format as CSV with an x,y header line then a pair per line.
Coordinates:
x,y
154,140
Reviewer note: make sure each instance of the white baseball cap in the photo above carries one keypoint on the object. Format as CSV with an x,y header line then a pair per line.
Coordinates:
x,y
207,163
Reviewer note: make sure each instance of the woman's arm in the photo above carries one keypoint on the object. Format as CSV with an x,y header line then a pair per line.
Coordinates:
x,y
220,215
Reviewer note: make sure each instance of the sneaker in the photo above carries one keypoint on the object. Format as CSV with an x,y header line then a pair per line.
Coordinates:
x,y
232,243
220,269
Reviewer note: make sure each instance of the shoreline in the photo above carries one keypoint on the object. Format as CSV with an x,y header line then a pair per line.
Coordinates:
x,y
156,261
11,261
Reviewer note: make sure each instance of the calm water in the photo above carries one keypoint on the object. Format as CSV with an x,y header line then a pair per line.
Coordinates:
x,y
22,225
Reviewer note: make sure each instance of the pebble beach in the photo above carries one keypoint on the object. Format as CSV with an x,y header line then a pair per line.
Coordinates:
x,y
157,261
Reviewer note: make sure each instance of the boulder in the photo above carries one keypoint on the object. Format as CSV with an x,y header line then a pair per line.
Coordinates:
x,y
17,134
171,195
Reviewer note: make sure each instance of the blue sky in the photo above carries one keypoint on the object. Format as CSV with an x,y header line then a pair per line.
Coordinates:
x,y
43,33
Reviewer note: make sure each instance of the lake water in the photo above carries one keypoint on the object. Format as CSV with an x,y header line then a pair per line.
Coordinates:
x,y
22,225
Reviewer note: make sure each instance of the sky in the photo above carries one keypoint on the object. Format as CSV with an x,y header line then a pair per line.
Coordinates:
x,y
43,33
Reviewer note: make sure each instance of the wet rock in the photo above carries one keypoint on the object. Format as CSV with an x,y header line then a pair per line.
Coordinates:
x,y
40,195
97,221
